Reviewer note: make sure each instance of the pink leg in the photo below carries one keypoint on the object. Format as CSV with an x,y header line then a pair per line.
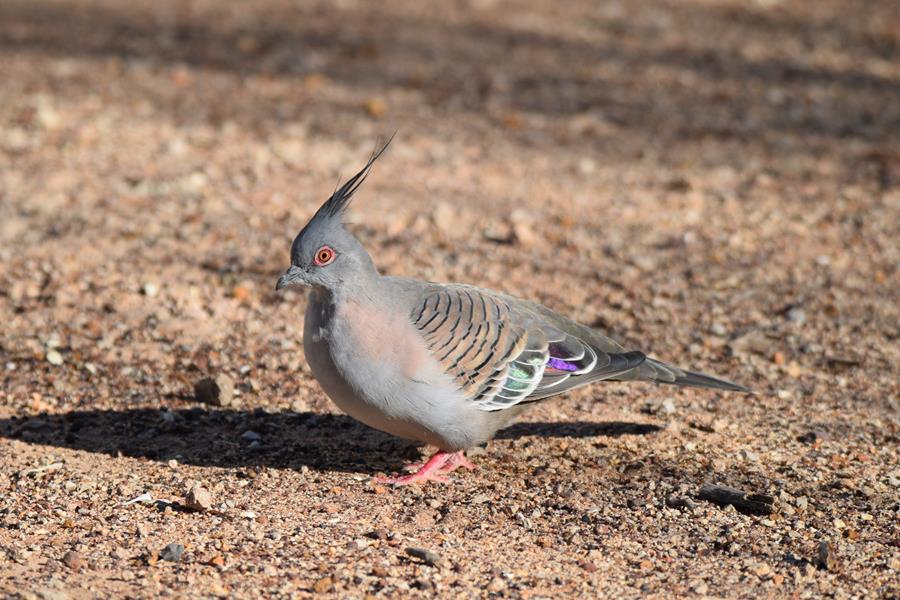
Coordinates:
x,y
437,466
457,460
454,460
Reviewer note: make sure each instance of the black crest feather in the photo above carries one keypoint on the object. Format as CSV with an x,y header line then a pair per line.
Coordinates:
x,y
340,199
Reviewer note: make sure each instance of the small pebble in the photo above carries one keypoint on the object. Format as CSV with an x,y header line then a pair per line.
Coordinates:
x,y
426,556
172,552
796,315
752,342
215,392
813,436
199,498
446,218
377,534
251,436
749,456
826,558
54,358
120,554
674,501
74,560
323,585
654,407
522,229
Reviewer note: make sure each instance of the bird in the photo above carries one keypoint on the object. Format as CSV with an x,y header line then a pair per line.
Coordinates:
x,y
446,364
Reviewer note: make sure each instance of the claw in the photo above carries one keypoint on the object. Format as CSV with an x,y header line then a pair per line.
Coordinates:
x,y
459,460
440,464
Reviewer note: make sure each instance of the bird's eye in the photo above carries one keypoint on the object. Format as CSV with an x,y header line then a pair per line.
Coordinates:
x,y
324,256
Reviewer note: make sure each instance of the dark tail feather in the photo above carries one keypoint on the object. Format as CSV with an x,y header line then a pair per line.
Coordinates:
x,y
654,370
691,378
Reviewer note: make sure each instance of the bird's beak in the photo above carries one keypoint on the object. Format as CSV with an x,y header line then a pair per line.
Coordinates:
x,y
292,276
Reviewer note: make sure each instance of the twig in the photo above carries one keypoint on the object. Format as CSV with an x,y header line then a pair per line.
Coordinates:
x,y
750,502
45,468
144,498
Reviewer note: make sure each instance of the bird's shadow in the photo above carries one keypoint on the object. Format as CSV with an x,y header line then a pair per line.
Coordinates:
x,y
234,439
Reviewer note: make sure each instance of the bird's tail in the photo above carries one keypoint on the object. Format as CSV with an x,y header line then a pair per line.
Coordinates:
x,y
660,372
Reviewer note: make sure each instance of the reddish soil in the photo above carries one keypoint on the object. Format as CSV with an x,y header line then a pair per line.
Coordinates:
x,y
713,182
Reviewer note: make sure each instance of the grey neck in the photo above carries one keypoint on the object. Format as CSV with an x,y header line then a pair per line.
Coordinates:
x,y
362,285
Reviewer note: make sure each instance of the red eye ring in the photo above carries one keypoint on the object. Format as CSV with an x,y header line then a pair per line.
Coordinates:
x,y
324,256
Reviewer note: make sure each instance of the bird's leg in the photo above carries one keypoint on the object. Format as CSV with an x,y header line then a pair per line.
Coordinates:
x,y
437,466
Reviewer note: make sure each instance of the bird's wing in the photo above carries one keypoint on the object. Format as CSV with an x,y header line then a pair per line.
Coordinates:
x,y
502,351
648,369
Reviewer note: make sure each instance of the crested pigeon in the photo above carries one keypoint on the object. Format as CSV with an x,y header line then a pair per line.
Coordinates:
x,y
444,364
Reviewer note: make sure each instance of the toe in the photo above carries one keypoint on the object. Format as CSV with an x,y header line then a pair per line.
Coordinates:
x,y
465,462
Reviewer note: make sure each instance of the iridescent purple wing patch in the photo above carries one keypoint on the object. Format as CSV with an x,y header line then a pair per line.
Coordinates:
x,y
561,365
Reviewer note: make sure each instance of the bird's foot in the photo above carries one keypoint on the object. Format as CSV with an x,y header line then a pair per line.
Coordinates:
x,y
457,460
452,461
437,466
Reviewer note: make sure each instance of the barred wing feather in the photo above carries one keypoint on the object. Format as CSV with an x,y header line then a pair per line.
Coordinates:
x,y
502,352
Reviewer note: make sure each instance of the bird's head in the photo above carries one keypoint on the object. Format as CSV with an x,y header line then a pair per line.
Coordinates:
x,y
325,254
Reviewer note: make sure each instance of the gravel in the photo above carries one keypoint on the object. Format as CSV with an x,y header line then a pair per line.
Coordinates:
x,y
676,189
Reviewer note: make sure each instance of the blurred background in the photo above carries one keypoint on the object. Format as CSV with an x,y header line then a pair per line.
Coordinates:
x,y
715,182
645,166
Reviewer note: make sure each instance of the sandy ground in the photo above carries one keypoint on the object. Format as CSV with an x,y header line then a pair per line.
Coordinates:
x,y
716,183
